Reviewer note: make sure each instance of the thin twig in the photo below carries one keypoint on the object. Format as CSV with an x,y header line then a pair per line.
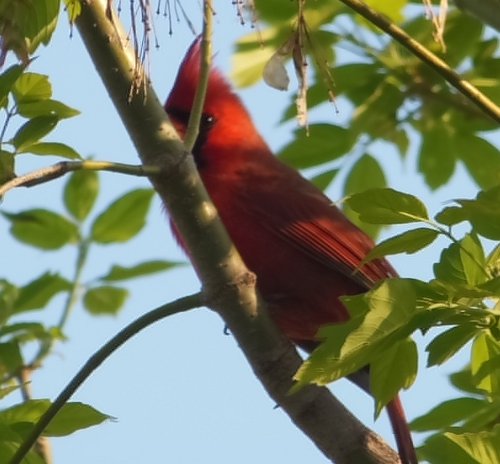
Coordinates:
x,y
452,77
201,90
57,170
169,309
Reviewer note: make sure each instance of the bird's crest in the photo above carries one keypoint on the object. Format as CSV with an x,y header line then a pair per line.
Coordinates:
x,y
187,80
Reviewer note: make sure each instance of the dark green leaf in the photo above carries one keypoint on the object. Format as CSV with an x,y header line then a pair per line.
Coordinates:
x,y
481,158
11,359
39,292
451,215
51,148
324,143
7,166
7,80
8,296
484,213
73,417
324,179
149,267
396,368
462,380
32,87
32,131
446,344
407,242
450,268
437,159
80,193
29,331
387,206
124,218
47,107
42,228
447,414
105,300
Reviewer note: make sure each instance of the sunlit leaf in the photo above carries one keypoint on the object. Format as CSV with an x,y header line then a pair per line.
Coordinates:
x,y
51,149
80,193
73,417
105,300
395,369
31,109
447,414
448,343
42,228
387,206
32,87
118,273
40,291
32,131
408,242
124,218
324,143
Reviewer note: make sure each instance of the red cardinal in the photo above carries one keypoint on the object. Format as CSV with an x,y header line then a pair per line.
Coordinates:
x,y
303,250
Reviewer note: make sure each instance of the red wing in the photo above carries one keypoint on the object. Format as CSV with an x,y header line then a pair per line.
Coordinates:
x,y
312,224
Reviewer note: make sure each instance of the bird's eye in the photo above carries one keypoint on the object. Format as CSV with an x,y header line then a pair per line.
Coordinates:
x,y
208,120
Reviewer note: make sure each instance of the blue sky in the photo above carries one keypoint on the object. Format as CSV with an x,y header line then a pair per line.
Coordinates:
x,y
181,391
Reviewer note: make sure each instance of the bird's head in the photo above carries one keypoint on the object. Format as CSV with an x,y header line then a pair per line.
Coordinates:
x,y
225,122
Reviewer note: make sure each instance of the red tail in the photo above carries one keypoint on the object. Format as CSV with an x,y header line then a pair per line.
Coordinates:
x,y
401,431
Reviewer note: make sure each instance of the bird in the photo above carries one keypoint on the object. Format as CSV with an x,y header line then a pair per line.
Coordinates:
x,y
303,250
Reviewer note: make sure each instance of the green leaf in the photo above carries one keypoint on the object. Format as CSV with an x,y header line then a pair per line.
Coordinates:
x,y
451,215
105,300
7,166
481,158
32,87
448,343
324,143
473,260
30,331
484,212
387,206
32,131
485,363
396,368
379,319
118,273
11,359
39,292
408,242
8,296
324,179
436,158
73,417
450,268
51,148
124,218
42,228
365,174
448,413
463,448
47,107
80,193
7,80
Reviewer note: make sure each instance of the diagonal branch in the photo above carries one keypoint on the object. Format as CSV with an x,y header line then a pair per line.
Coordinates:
x,y
169,309
453,78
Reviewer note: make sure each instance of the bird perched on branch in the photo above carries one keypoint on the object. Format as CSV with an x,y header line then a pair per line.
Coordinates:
x,y
303,250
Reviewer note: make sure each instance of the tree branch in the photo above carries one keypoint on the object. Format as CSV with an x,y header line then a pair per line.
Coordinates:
x,y
46,174
228,286
453,78
175,307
